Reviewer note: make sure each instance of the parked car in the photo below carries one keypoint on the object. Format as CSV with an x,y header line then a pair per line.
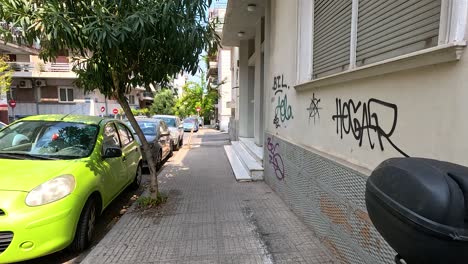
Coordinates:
x,y
158,136
175,128
190,123
57,174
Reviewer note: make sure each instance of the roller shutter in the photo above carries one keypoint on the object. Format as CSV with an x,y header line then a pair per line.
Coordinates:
x,y
332,32
388,29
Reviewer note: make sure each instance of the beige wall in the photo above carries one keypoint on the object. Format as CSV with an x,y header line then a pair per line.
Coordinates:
x,y
430,102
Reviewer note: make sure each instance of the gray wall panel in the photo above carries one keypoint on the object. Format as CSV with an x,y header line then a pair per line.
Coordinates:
x,y
329,197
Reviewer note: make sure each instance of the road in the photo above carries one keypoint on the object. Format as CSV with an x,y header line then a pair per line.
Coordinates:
x,y
113,212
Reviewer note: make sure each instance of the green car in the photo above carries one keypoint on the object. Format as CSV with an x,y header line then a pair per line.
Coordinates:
x,y
57,174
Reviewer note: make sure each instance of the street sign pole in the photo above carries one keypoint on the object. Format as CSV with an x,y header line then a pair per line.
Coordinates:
x,y
12,104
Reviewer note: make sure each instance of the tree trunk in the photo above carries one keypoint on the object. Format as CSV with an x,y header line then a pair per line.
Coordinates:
x,y
149,156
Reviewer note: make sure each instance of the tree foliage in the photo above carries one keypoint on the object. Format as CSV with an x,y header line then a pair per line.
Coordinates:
x,y
196,95
5,75
119,44
164,103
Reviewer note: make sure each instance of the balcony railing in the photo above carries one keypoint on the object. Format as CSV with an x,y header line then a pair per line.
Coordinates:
x,y
21,66
147,96
40,67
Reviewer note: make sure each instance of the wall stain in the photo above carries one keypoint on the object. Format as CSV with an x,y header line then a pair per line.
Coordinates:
x,y
331,246
333,211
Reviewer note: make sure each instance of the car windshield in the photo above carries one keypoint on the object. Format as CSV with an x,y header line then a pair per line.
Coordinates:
x,y
47,140
170,121
189,120
149,128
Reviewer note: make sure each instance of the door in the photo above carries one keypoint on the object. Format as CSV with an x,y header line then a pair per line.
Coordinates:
x,y
116,168
180,128
130,150
164,138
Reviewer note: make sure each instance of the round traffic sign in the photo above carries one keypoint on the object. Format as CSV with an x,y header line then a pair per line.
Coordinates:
x,y
103,109
198,109
115,111
12,103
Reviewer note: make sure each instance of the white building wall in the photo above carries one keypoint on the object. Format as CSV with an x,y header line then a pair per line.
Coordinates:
x,y
224,75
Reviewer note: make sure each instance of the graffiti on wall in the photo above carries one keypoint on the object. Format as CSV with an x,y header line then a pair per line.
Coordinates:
x,y
348,122
314,108
275,158
283,111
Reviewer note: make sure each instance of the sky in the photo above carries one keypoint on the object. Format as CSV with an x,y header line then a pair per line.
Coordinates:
x,y
202,64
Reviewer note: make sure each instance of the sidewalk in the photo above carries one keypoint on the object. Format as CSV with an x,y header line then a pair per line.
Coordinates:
x,y
210,218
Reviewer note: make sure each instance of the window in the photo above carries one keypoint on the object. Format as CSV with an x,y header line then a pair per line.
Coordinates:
x,y
131,99
391,28
125,135
331,36
162,128
347,34
66,95
11,94
111,139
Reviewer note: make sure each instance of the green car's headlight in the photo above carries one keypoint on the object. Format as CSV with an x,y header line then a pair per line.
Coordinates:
x,y
51,191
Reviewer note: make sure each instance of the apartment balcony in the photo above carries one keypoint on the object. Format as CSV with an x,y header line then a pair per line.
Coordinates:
x,y
213,69
139,88
147,96
41,70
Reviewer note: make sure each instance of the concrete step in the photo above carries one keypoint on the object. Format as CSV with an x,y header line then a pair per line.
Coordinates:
x,y
240,172
254,167
255,151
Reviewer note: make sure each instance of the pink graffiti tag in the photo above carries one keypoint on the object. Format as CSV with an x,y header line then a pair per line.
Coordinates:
x,y
275,159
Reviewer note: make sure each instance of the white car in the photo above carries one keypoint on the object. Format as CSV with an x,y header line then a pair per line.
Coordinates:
x,y
176,129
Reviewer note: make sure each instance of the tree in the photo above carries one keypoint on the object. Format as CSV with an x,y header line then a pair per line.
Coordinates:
x,y
164,103
197,95
5,75
119,44
191,98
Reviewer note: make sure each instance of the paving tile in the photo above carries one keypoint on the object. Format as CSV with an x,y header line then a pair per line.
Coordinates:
x,y
210,218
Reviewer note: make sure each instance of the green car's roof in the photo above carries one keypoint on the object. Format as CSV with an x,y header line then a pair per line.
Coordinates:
x,y
67,118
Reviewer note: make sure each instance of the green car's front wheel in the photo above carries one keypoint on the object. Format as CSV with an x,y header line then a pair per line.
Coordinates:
x,y
86,225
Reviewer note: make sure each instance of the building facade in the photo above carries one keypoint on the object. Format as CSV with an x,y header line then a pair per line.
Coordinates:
x,y
49,88
219,72
330,89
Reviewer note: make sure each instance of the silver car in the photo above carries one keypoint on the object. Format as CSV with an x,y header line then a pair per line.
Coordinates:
x,y
175,127
158,136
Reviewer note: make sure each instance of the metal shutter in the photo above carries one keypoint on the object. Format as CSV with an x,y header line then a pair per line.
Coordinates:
x,y
332,32
388,29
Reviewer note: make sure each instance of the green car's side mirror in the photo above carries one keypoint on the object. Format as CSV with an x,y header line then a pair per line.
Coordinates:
x,y
112,153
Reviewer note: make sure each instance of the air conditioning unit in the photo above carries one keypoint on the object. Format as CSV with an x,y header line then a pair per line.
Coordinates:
x,y
39,83
25,84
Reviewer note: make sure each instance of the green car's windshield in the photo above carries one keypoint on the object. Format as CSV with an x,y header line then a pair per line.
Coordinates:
x,y
47,140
